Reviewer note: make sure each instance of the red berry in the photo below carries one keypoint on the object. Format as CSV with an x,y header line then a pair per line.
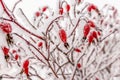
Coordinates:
x,y
91,23
61,11
5,51
63,35
44,9
91,7
16,57
86,30
99,33
37,14
94,34
6,27
79,65
14,51
26,63
90,39
68,7
40,44
26,70
77,50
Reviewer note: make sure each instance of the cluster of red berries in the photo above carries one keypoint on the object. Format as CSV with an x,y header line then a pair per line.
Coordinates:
x,y
92,7
16,55
38,13
92,35
61,10
5,51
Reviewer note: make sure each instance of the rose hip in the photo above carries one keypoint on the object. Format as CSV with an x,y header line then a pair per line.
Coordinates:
x,y
63,35
90,39
16,57
5,50
40,44
26,64
91,7
44,9
68,7
61,11
6,27
26,70
37,14
94,34
79,65
86,30
77,50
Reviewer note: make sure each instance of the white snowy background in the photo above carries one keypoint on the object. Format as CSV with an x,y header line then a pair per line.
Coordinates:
x,y
29,7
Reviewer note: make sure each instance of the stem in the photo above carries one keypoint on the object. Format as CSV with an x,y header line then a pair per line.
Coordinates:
x,y
12,20
52,23
6,10
31,45
27,18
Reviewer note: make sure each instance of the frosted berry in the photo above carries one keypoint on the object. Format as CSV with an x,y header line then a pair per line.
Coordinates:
x,y
37,14
40,44
26,70
77,50
44,9
16,57
26,64
90,39
61,11
63,35
91,7
68,7
5,50
94,34
86,30
6,27
79,65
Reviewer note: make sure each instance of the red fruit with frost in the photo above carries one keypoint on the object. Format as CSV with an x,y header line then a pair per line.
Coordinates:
x,y
26,64
16,57
26,70
94,34
86,30
14,51
6,27
40,44
77,50
91,7
37,14
79,65
61,11
44,9
90,39
5,50
63,35
99,33
68,7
